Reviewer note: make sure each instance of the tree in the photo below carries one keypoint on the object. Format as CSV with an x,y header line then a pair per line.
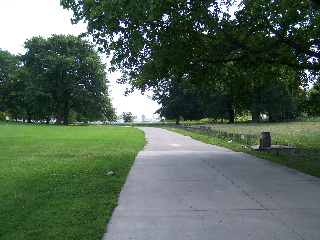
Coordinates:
x,y
9,67
266,89
221,106
67,75
284,31
178,99
155,41
276,101
17,103
310,101
185,37
127,117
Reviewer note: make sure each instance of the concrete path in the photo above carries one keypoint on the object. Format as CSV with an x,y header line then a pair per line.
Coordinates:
x,y
180,188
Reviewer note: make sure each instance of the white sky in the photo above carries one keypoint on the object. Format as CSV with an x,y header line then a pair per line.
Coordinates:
x,y
23,19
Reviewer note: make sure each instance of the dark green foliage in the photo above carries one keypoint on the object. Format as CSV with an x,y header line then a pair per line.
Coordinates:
x,y
178,37
66,75
310,101
257,44
56,77
11,87
178,100
276,101
127,117
221,106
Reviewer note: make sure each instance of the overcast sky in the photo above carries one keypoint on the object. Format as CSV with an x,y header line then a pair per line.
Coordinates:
x,y
23,19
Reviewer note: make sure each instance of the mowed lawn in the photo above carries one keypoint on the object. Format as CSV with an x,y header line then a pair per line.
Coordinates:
x,y
54,181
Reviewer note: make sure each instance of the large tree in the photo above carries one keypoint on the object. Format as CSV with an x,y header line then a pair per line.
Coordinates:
x,y
230,43
66,75
221,106
178,100
173,37
9,68
310,101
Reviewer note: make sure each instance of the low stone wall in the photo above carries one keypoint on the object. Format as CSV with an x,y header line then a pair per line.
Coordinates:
x,y
242,138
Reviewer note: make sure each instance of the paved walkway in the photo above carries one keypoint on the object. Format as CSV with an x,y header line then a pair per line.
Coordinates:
x,y
180,188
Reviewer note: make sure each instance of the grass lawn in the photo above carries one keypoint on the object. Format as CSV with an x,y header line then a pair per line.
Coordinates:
x,y
300,134
304,135
54,182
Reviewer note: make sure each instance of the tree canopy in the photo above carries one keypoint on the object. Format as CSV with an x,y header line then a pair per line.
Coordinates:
x,y
61,77
127,117
67,76
233,48
178,100
8,73
158,39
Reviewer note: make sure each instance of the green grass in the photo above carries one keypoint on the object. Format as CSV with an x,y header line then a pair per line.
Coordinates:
x,y
54,182
300,134
304,135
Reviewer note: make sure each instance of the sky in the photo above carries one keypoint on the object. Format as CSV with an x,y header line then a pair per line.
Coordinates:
x,y
23,19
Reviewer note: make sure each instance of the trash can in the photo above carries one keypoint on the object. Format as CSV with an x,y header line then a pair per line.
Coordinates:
x,y
265,140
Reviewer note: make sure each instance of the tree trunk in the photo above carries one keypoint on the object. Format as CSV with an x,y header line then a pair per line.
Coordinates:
x,y
59,116
29,117
66,113
178,121
231,115
230,111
